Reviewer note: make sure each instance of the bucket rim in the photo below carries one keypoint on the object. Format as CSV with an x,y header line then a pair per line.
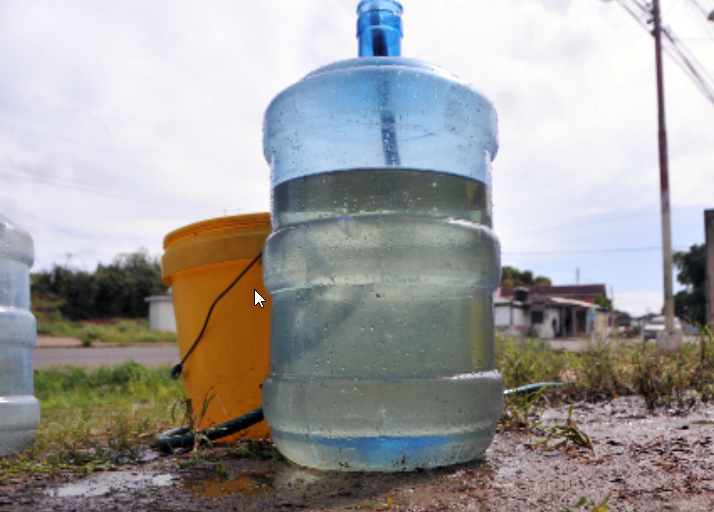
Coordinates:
x,y
216,224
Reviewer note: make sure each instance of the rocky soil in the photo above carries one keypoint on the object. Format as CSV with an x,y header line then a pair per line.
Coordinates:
x,y
638,462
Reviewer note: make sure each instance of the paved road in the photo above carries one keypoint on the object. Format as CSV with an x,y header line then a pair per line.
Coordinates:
x,y
60,352
107,356
581,344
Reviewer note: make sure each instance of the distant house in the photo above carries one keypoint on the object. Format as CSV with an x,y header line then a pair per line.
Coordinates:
x,y
582,292
542,311
512,318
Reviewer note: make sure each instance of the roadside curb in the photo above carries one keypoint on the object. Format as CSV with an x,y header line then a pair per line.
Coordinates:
x,y
49,342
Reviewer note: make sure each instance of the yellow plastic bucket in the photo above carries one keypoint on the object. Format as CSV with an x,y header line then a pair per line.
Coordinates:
x,y
227,367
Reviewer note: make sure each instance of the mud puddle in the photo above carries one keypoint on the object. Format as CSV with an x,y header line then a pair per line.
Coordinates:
x,y
99,484
638,462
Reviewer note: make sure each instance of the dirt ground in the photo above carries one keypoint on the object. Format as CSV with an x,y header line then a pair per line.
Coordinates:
x,y
643,462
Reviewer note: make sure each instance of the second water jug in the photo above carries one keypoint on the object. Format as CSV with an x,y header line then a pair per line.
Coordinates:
x,y
382,262
19,409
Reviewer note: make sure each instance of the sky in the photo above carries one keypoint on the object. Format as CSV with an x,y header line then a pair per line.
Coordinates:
x,y
123,121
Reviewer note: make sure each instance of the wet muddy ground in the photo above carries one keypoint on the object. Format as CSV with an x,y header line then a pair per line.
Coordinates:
x,y
643,462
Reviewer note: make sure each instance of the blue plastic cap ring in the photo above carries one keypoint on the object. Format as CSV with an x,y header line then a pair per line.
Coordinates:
x,y
379,28
380,5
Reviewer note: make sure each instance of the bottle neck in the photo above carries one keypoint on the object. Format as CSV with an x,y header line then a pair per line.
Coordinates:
x,y
379,28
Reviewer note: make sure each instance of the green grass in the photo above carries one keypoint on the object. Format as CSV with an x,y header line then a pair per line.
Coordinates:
x,y
527,361
103,418
96,419
112,331
590,504
46,307
50,323
613,368
124,384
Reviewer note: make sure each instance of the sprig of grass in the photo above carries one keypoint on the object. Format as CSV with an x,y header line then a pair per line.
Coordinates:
x,y
592,505
567,436
518,411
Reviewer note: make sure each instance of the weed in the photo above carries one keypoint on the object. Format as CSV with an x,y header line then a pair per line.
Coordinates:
x,y
614,368
598,367
195,421
374,504
592,505
703,377
566,436
647,374
667,379
528,361
518,412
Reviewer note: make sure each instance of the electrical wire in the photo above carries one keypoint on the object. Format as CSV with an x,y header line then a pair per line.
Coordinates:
x,y
688,63
700,15
674,47
119,193
672,6
594,222
586,251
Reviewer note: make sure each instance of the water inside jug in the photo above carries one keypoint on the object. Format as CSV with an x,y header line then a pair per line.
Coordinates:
x,y
382,262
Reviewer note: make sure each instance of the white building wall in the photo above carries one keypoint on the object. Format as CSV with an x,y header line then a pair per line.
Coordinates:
x,y
545,330
510,320
520,318
161,313
502,313
600,324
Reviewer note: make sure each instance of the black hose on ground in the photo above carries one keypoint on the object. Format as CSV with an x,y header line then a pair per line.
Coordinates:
x,y
182,437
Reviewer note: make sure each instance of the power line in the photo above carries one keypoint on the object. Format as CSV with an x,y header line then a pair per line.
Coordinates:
x,y
700,14
674,46
99,186
607,220
688,63
585,251
671,6
119,193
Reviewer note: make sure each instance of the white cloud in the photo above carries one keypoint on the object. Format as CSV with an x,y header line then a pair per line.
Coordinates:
x,y
639,303
120,122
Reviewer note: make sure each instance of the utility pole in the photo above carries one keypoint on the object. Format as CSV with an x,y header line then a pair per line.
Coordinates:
x,y
664,181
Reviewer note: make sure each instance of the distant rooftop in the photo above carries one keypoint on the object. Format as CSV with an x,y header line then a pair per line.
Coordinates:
x,y
586,292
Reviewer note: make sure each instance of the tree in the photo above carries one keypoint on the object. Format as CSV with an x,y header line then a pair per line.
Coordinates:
x,y
603,302
513,277
542,281
690,304
117,290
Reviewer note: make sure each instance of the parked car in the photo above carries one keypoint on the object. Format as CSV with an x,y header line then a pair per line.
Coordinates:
x,y
656,325
626,332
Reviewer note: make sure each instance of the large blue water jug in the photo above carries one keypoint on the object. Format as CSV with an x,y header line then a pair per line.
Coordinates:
x,y
382,262
19,409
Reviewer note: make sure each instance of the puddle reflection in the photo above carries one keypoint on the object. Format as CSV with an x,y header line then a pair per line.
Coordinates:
x,y
247,484
100,484
258,478
249,478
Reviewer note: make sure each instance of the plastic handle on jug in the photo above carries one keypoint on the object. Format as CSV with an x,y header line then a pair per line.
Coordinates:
x,y
379,28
